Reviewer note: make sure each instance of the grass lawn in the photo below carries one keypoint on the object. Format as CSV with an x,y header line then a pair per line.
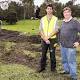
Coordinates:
x,y
19,71
25,26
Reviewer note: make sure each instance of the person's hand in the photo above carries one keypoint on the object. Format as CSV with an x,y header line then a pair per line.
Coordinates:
x,y
47,42
76,44
45,38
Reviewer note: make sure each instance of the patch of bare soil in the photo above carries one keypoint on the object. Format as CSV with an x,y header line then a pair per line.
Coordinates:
x,y
22,42
17,37
30,44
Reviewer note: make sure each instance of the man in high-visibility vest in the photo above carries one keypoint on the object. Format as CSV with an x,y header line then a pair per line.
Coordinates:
x,y
48,30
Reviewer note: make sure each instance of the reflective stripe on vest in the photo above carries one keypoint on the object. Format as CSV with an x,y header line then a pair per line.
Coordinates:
x,y
49,27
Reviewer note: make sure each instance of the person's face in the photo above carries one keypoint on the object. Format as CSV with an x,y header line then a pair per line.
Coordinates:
x,y
49,10
67,14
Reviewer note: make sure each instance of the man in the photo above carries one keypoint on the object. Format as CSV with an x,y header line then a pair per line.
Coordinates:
x,y
69,40
48,29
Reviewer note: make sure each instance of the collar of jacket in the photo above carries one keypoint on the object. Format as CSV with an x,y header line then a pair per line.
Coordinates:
x,y
68,19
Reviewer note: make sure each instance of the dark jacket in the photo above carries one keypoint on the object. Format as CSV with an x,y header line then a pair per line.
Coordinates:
x,y
69,33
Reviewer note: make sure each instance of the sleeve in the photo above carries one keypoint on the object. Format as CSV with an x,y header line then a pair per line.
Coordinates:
x,y
56,26
40,27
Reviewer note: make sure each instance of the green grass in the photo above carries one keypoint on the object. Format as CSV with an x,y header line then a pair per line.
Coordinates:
x,y
25,26
15,72
21,72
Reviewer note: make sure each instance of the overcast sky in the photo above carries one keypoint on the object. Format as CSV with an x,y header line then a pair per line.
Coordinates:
x,y
39,2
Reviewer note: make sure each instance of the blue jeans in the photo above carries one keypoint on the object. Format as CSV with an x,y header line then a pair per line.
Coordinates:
x,y
69,61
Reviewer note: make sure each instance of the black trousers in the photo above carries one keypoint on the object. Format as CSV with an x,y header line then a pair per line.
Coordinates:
x,y
51,48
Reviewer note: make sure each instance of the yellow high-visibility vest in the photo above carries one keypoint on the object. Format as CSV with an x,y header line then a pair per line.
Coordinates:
x,y
49,27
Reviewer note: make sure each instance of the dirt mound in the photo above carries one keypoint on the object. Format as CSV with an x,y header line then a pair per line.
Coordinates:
x,y
15,54
19,59
15,36
18,52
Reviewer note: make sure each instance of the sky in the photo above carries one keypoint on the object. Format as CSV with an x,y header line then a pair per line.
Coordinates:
x,y
11,0
39,2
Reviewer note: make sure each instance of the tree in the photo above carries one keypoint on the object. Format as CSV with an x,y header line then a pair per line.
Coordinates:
x,y
75,8
0,24
69,3
28,8
59,10
42,9
11,18
73,1
16,7
13,7
1,14
48,1
37,11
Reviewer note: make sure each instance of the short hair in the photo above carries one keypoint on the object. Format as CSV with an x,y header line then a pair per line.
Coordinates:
x,y
49,5
67,8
